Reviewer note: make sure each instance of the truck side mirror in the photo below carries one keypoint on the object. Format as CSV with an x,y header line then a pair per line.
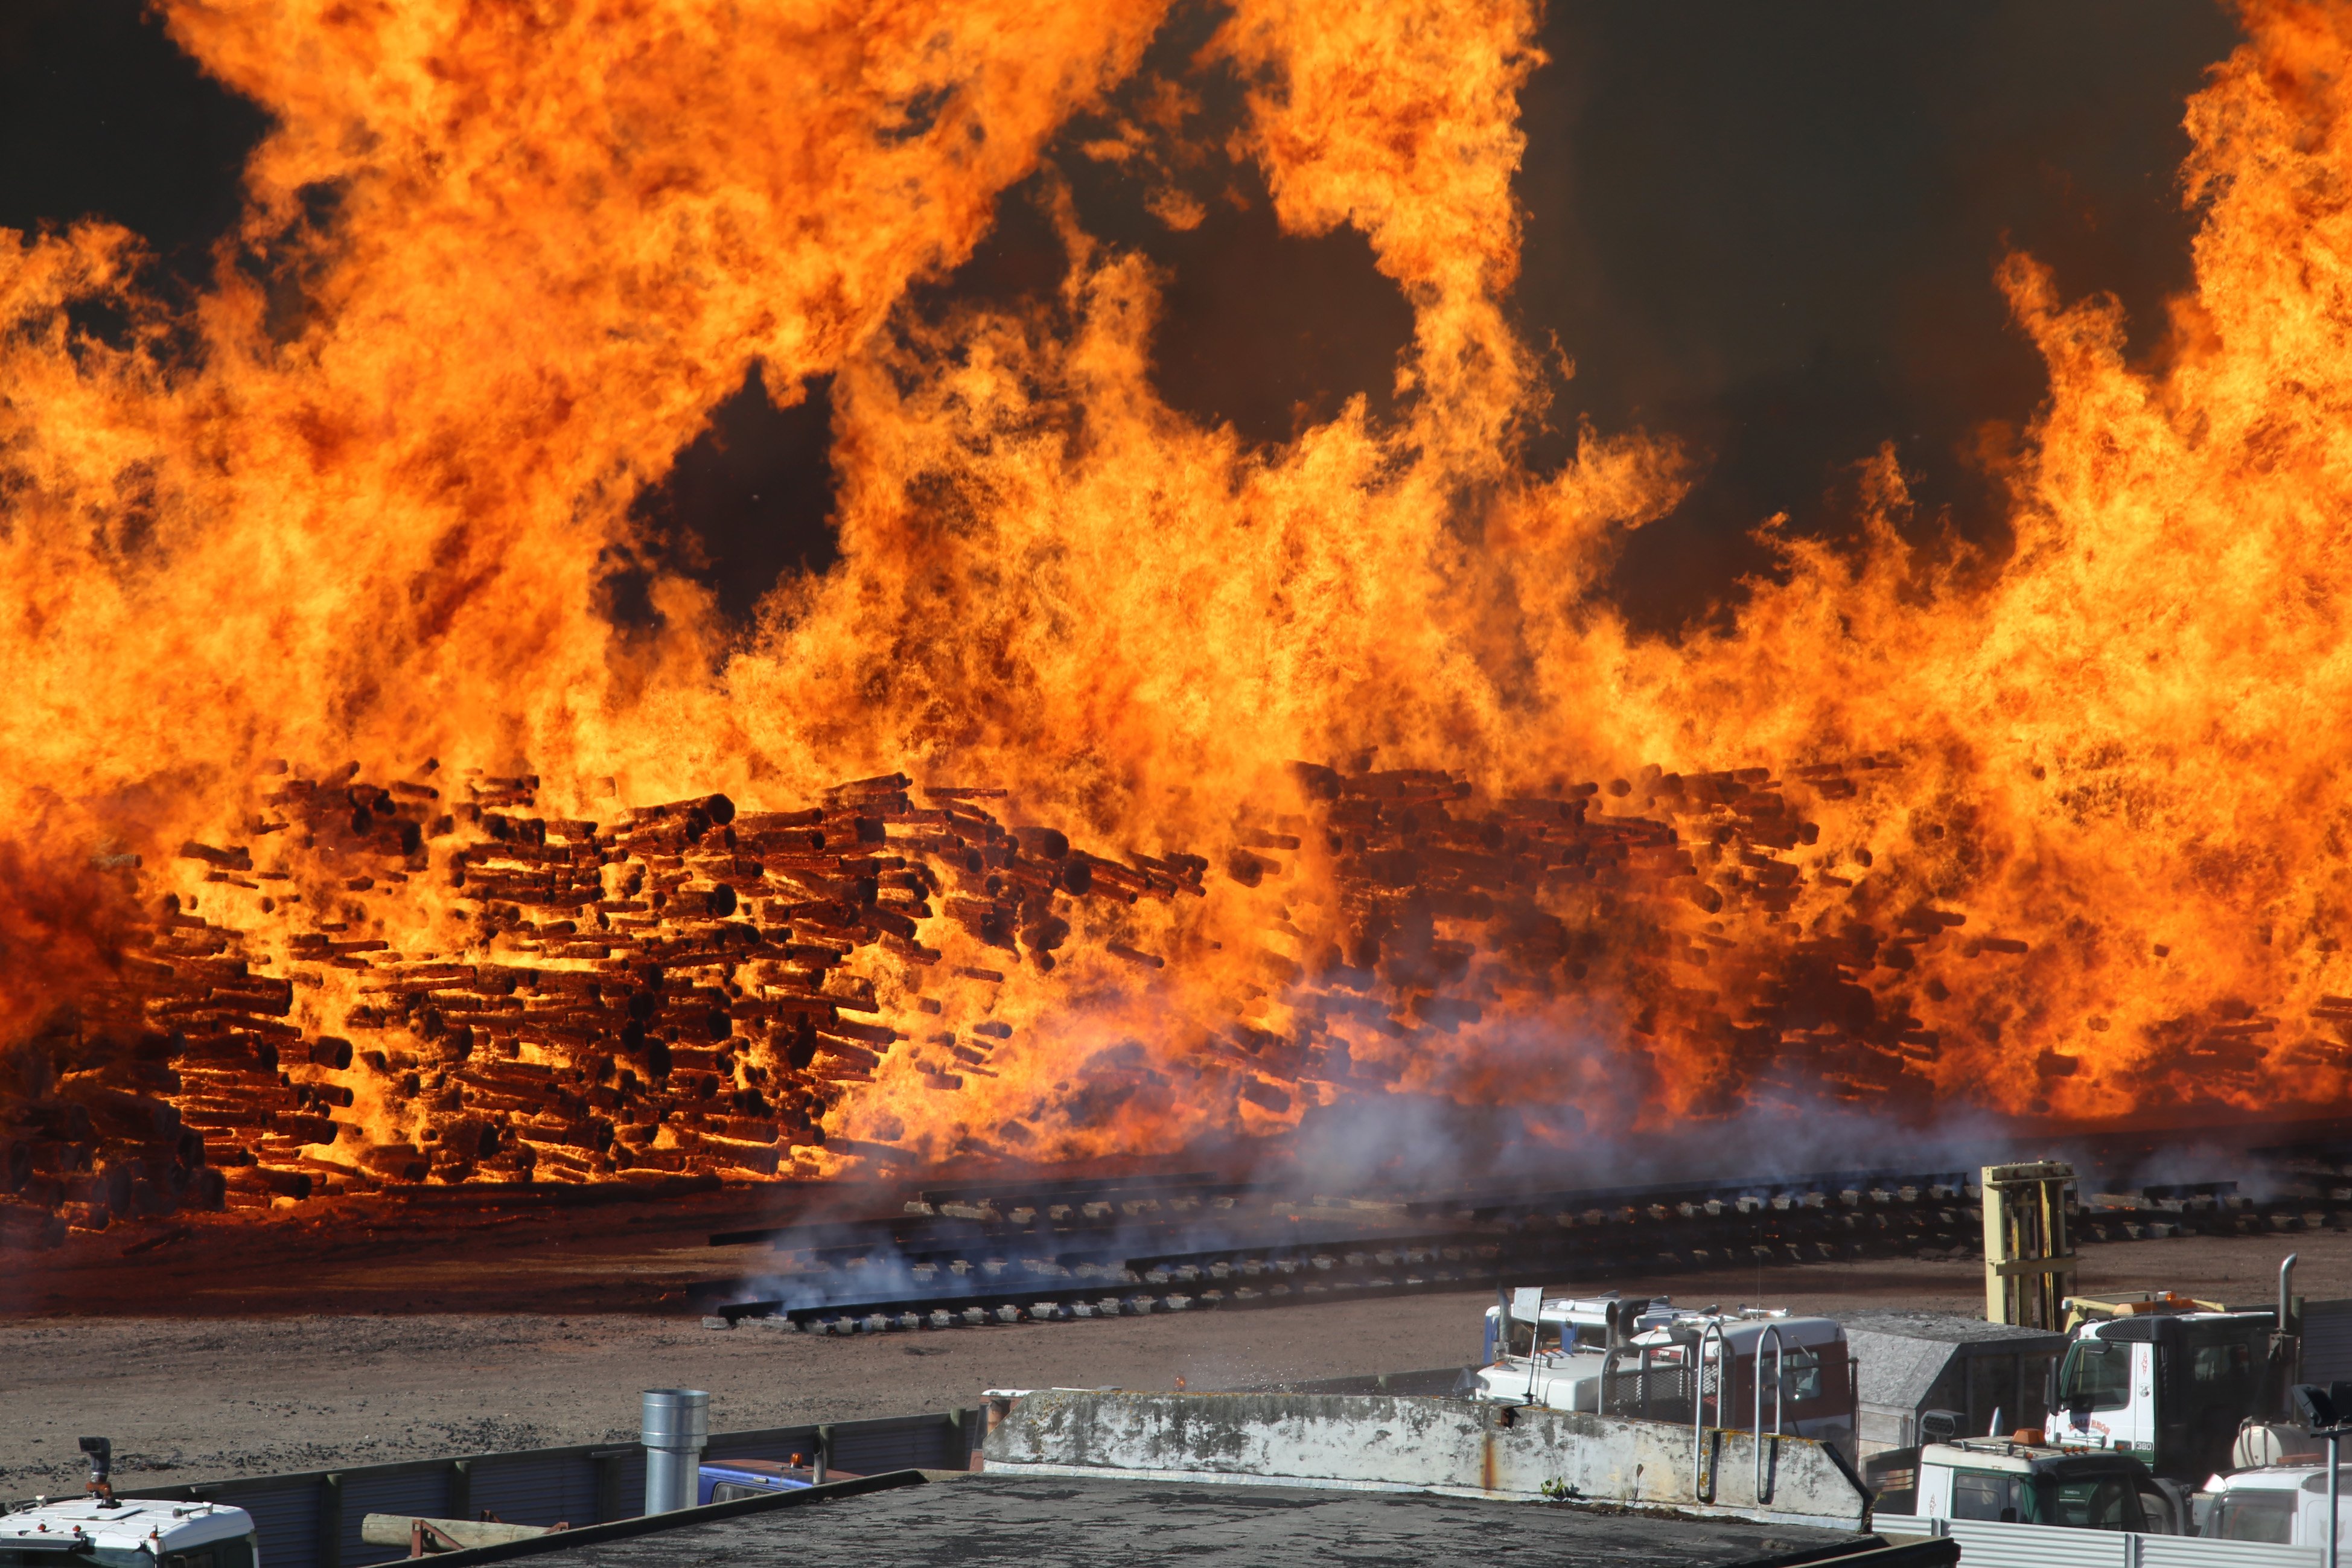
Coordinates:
x,y
2315,1406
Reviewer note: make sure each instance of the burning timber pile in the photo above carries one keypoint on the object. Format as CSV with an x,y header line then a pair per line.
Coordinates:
x,y
690,989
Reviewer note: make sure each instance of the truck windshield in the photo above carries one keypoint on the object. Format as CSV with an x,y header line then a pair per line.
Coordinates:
x,y
2096,1377
2255,1516
1799,1372
2105,1502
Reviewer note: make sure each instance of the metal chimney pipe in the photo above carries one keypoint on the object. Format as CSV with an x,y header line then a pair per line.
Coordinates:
x,y
676,1423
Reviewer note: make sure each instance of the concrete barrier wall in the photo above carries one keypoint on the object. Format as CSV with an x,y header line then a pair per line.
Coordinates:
x,y
1389,1442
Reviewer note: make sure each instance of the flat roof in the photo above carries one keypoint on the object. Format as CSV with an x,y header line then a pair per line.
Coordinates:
x,y
1082,1521
126,1525
1949,1328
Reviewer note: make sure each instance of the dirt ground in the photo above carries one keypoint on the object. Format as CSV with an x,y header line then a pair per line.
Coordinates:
x,y
221,1395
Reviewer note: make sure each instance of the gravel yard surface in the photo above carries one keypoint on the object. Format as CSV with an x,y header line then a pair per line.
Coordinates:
x,y
192,1398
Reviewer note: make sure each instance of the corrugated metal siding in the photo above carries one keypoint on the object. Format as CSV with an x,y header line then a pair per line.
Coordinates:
x,y
1987,1544
2189,1552
2326,1341
424,1494
633,1487
539,1489
916,1442
286,1518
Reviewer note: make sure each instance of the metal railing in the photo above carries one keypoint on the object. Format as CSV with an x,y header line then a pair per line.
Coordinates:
x,y
1780,1361
1698,1403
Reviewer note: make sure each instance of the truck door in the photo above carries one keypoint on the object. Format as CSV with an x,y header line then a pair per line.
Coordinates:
x,y
2146,1413
2095,1390
2228,1367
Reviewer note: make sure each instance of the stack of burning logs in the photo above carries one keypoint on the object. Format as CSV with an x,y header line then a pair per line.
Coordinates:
x,y
690,991
669,995
1672,899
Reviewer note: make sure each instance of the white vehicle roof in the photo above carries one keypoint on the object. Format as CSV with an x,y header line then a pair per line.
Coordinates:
x,y
132,1523
2272,1478
1593,1311
2097,1327
1744,1334
2005,1456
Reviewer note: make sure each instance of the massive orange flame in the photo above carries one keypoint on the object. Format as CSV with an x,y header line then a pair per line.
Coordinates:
x,y
2064,834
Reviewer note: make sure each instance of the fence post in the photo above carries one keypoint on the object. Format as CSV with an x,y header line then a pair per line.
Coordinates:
x,y
957,1446
610,1463
330,1521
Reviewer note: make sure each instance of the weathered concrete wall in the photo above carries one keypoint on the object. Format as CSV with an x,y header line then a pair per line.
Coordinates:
x,y
1389,1442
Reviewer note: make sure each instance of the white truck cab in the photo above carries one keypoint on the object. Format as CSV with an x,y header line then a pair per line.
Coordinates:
x,y
128,1533
2169,1384
1578,1331
2283,1504
1606,1354
2009,1482
102,1531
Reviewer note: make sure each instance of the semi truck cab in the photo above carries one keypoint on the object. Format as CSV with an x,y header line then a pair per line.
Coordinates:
x,y
2285,1505
128,1533
2012,1482
99,1530
2169,1386
1624,1357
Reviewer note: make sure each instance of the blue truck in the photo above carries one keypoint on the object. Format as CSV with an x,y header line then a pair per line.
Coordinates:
x,y
724,1481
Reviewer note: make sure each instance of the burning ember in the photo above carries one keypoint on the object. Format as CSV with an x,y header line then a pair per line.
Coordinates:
x,y
2064,833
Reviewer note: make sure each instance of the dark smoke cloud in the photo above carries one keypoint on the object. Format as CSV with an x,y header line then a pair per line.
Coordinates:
x,y
1772,230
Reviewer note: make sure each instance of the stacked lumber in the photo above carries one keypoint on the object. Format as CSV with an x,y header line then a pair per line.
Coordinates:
x,y
1700,914
670,992
1454,914
434,982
